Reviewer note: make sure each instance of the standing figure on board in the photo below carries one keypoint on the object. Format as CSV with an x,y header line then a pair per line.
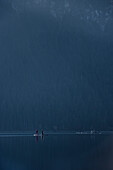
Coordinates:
x,y
37,132
42,133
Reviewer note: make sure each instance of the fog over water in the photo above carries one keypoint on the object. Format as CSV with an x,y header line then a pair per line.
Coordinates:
x,y
56,64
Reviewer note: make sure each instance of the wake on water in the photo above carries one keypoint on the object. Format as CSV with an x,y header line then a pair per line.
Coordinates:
x,y
46,133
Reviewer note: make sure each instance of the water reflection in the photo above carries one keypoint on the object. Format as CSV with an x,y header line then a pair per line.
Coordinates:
x,y
37,138
57,152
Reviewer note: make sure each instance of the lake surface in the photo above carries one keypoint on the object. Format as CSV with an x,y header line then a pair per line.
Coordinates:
x,y
56,65
57,152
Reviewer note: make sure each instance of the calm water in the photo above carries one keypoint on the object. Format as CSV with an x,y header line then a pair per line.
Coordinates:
x,y
56,152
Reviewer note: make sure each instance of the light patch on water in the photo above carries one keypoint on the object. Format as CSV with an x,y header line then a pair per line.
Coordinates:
x,y
59,9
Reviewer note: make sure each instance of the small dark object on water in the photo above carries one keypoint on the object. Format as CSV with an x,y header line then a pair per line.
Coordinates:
x,y
36,131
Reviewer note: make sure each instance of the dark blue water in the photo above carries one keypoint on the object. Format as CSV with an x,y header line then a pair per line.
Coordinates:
x,y
56,65
57,152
